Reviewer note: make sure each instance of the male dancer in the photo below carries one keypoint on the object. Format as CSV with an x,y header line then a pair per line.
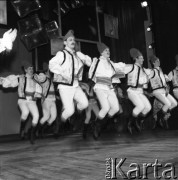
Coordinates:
x,y
159,85
28,89
67,67
101,72
137,80
48,101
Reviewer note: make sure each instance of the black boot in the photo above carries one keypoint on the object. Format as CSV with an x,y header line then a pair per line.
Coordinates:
x,y
85,129
56,129
137,124
97,129
161,118
41,129
22,129
130,125
166,118
32,135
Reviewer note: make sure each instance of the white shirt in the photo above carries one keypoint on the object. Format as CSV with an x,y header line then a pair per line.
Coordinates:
x,y
56,61
30,84
105,69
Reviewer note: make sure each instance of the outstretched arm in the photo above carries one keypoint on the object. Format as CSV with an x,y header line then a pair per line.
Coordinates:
x,y
121,67
9,81
85,58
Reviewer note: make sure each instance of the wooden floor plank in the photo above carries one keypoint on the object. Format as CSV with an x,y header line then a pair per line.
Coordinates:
x,y
72,158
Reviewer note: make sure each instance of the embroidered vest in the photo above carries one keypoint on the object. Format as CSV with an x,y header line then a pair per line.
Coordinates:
x,y
93,69
66,75
22,92
45,87
133,77
158,80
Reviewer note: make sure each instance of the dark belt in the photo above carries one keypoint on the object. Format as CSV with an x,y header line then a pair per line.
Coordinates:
x,y
33,99
51,93
140,86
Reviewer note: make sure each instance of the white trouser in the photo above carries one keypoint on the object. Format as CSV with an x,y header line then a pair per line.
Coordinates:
x,y
93,106
108,102
140,101
26,107
68,95
168,101
49,111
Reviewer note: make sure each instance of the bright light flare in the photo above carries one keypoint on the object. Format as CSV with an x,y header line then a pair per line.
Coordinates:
x,y
6,42
144,4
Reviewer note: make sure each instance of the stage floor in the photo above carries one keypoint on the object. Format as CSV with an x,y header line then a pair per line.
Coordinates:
x,y
71,158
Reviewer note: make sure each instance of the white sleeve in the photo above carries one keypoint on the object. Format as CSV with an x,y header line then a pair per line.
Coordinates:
x,y
40,78
10,81
149,72
85,58
127,68
118,66
55,62
170,76
122,67
166,78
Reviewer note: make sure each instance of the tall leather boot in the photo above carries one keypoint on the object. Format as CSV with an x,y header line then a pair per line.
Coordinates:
x,y
85,130
166,118
130,124
161,116
32,135
41,128
22,129
56,129
97,129
137,124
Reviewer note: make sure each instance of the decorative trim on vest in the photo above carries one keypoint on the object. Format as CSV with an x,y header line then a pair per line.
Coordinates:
x,y
22,94
95,68
64,57
159,76
134,83
137,80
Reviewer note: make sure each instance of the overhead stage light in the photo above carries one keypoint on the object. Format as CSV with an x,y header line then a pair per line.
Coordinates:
x,y
151,46
144,4
149,28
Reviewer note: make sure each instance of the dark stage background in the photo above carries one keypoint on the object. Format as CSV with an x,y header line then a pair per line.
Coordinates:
x,y
131,33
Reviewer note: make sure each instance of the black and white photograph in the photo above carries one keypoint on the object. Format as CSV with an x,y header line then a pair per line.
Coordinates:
x,y
88,89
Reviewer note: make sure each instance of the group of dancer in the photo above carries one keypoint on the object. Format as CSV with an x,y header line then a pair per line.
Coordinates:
x,y
67,69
